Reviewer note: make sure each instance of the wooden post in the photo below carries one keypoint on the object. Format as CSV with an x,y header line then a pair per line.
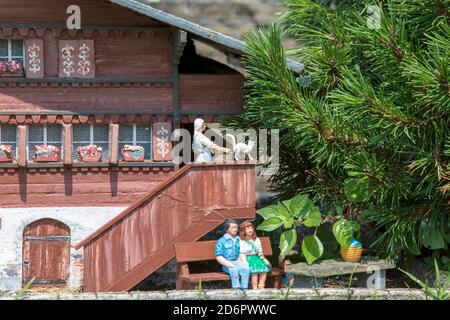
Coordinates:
x,y
113,143
179,40
22,146
68,144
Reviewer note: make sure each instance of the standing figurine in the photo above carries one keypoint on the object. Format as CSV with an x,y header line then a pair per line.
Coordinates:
x,y
227,254
202,146
252,252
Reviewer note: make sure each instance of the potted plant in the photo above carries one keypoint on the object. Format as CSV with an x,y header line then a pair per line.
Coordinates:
x,y
6,151
133,153
11,68
46,153
90,153
344,230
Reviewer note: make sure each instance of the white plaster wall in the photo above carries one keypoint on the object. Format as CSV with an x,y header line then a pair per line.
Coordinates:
x,y
81,220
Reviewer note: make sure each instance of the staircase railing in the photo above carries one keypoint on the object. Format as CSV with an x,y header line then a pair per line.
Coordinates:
x,y
194,200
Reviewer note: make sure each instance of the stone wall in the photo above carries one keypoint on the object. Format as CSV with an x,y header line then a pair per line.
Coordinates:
x,y
233,294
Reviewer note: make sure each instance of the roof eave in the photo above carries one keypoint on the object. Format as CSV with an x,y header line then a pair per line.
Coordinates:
x,y
229,44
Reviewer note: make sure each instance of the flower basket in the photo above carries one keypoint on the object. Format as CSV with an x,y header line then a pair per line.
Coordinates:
x,y
11,68
6,151
91,153
132,153
46,153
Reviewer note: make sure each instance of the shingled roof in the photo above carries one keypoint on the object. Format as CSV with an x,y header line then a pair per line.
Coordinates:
x,y
224,43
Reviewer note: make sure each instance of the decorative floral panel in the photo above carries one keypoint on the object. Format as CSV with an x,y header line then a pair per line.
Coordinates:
x,y
76,59
34,55
68,58
85,64
162,143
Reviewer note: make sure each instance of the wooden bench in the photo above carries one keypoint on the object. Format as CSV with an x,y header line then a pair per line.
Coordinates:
x,y
186,252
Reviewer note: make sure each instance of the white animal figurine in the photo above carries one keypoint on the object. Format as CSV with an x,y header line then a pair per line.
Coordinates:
x,y
241,150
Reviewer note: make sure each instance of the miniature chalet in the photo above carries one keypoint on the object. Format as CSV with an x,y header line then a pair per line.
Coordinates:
x,y
73,215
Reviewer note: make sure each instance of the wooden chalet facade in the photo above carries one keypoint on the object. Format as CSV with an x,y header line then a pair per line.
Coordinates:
x,y
128,76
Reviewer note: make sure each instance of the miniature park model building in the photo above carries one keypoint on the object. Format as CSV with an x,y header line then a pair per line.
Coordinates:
x,y
89,194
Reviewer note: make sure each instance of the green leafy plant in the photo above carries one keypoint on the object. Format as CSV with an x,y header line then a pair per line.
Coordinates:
x,y
440,290
21,292
301,211
344,230
200,295
278,295
371,128
442,259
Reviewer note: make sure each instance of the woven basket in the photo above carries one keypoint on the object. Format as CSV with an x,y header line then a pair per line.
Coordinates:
x,y
352,254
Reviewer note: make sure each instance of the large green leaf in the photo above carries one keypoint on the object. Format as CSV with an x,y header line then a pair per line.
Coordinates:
x,y
287,241
289,223
432,236
343,232
297,203
283,211
271,224
313,218
312,248
304,211
268,212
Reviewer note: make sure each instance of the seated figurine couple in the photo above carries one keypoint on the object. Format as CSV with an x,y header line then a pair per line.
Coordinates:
x,y
242,256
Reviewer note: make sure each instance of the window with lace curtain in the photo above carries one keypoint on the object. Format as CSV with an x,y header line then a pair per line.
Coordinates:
x,y
12,50
91,134
43,134
136,135
8,136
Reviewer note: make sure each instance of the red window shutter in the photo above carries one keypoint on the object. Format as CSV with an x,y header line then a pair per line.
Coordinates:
x,y
34,58
162,143
76,59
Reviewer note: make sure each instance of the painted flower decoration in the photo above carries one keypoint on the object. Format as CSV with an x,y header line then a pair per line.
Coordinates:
x,y
13,66
46,149
129,147
6,149
90,150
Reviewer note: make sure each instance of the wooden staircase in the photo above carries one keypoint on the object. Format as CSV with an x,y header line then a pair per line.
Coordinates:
x,y
190,203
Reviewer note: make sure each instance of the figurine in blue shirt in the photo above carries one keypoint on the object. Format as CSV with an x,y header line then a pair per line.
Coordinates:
x,y
227,254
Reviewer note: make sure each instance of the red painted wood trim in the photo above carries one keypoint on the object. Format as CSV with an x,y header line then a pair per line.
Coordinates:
x,y
113,143
164,185
22,145
68,134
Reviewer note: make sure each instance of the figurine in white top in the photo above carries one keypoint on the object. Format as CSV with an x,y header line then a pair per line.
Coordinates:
x,y
202,146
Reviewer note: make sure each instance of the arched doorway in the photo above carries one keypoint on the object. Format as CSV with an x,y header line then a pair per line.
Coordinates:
x,y
46,253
